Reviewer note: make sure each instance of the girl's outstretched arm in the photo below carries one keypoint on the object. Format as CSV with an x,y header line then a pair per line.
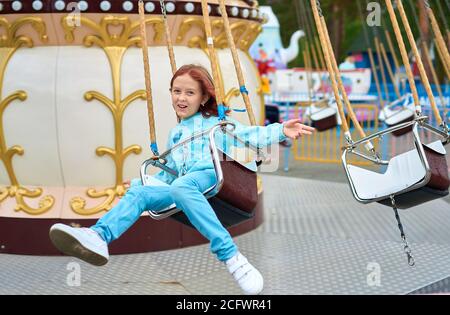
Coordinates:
x,y
262,136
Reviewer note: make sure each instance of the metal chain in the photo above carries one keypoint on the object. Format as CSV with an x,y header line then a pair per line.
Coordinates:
x,y
319,8
406,248
163,8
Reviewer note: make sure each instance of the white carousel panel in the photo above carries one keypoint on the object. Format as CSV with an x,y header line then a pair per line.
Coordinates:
x,y
84,125
356,82
185,55
360,80
252,83
230,81
135,126
31,123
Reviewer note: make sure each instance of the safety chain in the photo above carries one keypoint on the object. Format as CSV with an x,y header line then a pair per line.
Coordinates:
x,y
406,248
319,8
163,8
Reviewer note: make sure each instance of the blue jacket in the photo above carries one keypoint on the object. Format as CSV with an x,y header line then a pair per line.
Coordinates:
x,y
195,155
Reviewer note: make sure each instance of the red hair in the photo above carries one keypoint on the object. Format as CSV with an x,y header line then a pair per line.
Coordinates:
x,y
202,76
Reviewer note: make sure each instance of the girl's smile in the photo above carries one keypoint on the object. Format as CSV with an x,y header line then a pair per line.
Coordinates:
x,y
187,96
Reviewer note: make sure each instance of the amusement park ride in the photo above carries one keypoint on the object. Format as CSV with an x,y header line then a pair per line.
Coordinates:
x,y
73,120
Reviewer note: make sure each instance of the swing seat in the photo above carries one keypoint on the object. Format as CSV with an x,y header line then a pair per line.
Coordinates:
x,y
402,116
233,197
392,115
413,177
324,118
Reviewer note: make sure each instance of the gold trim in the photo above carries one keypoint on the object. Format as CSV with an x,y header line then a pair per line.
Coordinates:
x,y
9,44
114,47
237,30
186,25
104,38
249,38
233,92
247,30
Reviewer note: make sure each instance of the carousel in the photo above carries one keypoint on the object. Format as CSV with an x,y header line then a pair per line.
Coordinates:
x,y
73,116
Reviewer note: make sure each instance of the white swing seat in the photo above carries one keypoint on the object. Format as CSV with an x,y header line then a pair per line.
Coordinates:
x,y
323,118
399,111
403,172
400,116
392,115
322,113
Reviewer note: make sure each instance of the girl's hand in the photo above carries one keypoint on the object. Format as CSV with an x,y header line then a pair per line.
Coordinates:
x,y
293,129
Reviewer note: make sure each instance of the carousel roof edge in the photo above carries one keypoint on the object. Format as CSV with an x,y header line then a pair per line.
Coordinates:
x,y
244,11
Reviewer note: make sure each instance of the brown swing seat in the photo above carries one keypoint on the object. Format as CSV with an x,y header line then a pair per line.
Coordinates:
x,y
323,118
233,197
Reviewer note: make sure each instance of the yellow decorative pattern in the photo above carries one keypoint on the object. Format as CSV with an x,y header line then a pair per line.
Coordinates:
x,y
186,25
237,30
233,92
247,30
114,46
9,44
250,36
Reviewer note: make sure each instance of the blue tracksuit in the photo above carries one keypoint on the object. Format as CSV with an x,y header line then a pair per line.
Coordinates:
x,y
196,173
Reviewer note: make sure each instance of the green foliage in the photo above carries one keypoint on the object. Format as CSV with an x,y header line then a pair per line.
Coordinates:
x,y
290,22
347,13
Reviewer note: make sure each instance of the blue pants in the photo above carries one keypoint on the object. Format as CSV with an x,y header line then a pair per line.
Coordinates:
x,y
186,193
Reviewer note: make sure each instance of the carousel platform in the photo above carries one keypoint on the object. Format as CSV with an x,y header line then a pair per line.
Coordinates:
x,y
316,239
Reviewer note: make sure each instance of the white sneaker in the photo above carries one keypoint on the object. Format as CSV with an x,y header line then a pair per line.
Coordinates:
x,y
248,277
83,243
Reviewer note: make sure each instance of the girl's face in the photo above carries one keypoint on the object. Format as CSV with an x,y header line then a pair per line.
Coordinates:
x,y
187,96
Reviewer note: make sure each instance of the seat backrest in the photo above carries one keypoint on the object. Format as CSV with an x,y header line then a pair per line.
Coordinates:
x,y
239,186
435,153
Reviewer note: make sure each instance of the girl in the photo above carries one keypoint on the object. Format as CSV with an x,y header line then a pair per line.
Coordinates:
x,y
193,99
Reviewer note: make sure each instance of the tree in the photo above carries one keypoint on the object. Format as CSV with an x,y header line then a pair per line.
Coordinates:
x,y
340,15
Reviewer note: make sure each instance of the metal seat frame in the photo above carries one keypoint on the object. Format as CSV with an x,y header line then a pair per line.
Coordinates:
x,y
161,161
